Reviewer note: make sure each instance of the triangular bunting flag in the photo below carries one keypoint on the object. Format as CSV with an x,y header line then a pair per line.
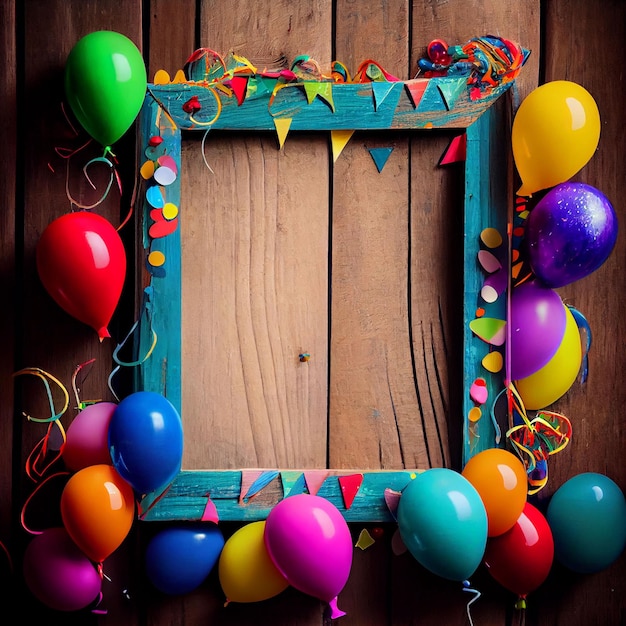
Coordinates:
x,y
210,512
339,140
314,480
282,125
239,85
247,478
391,499
324,91
380,156
416,88
456,150
381,90
293,483
262,481
350,485
451,90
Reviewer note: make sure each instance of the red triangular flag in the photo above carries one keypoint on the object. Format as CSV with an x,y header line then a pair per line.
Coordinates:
x,y
349,487
239,85
416,89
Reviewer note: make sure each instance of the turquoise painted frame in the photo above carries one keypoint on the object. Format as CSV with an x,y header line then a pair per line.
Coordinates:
x,y
172,108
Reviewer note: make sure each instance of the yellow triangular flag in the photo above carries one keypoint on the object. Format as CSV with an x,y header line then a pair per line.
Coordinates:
x,y
282,125
339,140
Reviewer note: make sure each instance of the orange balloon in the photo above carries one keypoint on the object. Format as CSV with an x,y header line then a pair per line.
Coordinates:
x,y
98,510
501,481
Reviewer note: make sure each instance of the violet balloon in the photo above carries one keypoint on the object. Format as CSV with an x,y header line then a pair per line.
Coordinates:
x,y
309,541
58,574
570,233
537,327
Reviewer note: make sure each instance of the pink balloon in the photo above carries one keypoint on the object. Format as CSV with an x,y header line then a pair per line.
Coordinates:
x,y
87,441
309,541
58,574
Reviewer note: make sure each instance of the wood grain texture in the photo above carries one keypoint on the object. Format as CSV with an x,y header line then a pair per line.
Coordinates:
x,y
371,381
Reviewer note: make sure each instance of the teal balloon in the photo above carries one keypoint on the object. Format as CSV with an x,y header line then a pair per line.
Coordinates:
x,y
587,516
443,523
105,84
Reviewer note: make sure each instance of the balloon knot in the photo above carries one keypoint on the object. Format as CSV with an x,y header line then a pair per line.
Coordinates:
x,y
103,333
335,611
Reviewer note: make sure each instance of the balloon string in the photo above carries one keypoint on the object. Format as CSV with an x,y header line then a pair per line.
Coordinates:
x,y
112,176
44,376
81,404
31,496
203,151
477,594
7,554
40,451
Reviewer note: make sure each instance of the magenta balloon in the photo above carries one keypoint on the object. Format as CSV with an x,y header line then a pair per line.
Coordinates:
x,y
58,574
87,440
570,233
309,541
537,327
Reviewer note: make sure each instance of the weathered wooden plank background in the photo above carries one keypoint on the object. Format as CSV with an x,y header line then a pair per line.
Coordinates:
x,y
279,201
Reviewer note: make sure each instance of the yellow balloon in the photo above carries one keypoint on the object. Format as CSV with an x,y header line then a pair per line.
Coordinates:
x,y
549,383
246,571
555,132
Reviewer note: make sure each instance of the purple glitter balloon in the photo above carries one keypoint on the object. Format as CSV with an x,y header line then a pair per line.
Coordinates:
x,y
570,233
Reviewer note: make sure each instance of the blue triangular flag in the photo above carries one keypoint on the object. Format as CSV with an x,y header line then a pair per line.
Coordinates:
x,y
380,156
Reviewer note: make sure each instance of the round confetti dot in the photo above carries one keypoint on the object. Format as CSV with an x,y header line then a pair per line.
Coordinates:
x,y
377,532
164,176
493,362
491,237
474,414
170,211
154,196
147,170
156,258
489,294
480,311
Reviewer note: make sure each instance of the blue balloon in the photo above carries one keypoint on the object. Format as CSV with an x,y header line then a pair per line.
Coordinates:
x,y
146,441
443,522
587,516
179,559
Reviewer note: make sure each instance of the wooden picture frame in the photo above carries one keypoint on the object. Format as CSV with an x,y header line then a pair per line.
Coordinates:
x,y
420,105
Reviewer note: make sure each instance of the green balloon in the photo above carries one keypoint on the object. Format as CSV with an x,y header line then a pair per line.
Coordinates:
x,y
587,516
105,84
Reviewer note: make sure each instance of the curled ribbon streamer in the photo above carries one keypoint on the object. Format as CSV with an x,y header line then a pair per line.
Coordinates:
x,y
218,112
583,324
79,404
40,451
44,376
113,175
7,554
120,345
30,497
35,466
203,152
537,439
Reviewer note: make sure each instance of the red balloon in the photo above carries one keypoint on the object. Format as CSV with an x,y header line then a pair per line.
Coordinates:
x,y
521,558
81,262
